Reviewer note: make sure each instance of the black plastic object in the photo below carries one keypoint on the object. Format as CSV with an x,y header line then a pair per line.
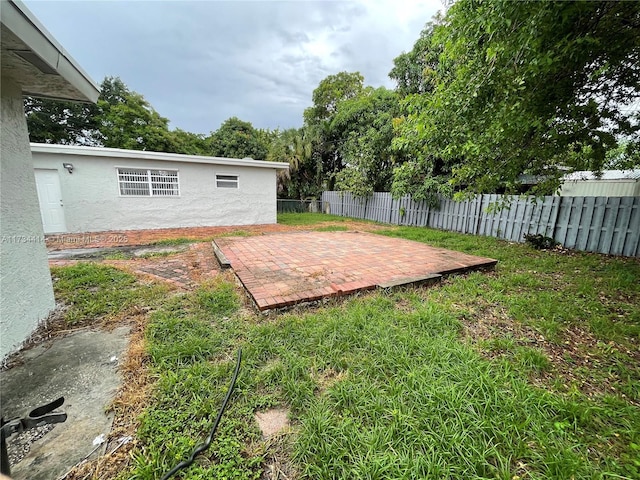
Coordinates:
x,y
203,446
37,417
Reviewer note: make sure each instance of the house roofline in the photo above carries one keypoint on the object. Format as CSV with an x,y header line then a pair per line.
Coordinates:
x,y
157,156
27,28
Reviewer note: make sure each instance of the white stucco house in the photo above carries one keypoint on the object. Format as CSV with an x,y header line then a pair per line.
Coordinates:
x,y
32,63
90,189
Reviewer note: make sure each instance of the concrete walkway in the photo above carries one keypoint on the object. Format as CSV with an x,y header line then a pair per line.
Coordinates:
x,y
81,367
280,270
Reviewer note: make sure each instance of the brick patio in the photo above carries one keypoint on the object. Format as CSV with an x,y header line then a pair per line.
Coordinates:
x,y
280,270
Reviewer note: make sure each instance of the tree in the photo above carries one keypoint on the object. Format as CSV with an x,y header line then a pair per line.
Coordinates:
x,y
60,122
127,120
188,143
415,71
364,126
121,118
326,99
238,139
330,92
304,177
523,87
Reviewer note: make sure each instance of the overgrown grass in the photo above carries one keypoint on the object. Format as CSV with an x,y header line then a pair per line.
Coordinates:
x,y
393,385
93,291
548,290
191,342
387,392
379,387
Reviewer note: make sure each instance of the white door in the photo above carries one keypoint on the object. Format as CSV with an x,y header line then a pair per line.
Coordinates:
x,y
50,197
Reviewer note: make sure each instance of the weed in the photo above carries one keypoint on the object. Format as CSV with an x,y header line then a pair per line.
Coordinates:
x,y
218,298
117,256
183,339
539,242
159,254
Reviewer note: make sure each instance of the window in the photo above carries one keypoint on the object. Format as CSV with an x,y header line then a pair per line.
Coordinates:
x,y
148,183
227,181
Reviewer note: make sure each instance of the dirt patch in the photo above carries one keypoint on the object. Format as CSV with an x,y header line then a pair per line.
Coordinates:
x,y
277,454
272,422
275,445
326,378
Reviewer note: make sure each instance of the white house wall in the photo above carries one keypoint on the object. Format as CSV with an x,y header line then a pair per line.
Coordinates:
x,y
600,188
26,294
92,200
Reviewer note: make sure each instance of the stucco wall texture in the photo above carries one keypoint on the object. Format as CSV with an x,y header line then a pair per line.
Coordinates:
x,y
26,294
92,200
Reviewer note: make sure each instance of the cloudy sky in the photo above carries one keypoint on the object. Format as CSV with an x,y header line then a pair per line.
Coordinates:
x,y
201,62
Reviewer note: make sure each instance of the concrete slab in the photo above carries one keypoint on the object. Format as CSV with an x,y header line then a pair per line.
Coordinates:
x,y
280,270
82,367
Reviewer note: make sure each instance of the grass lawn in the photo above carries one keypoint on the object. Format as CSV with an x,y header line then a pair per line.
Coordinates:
x,y
530,371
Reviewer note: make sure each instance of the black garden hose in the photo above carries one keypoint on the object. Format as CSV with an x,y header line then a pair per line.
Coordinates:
x,y
203,446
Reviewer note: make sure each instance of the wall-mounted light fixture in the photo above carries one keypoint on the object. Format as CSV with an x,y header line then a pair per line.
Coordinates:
x,y
68,166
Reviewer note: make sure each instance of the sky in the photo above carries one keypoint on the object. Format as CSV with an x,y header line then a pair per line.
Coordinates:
x,y
201,62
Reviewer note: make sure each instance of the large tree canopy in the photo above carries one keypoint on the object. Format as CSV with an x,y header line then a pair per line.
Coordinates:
x,y
238,139
127,120
524,87
364,126
66,123
330,92
414,71
326,98
121,118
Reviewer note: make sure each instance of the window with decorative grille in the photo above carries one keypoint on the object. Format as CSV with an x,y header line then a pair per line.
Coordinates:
x,y
148,183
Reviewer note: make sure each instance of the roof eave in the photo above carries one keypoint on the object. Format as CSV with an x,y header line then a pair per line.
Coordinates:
x,y
16,18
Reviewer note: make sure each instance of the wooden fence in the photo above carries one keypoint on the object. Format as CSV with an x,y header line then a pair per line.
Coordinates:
x,y
608,225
